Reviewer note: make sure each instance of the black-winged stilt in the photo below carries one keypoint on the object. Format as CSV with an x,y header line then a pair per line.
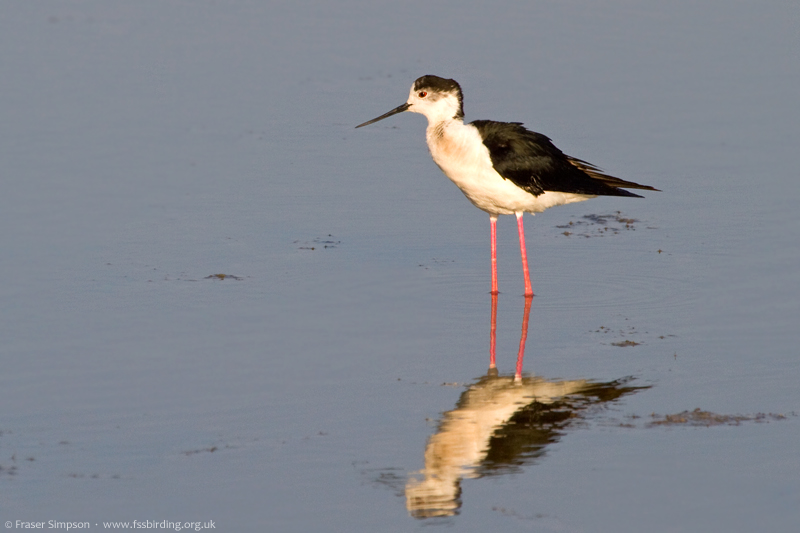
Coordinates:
x,y
501,167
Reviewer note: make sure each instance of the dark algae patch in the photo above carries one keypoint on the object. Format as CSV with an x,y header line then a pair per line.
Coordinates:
x,y
224,277
698,417
625,343
320,243
600,225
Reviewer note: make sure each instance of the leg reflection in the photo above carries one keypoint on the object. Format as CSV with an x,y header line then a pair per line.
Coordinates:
x,y
523,337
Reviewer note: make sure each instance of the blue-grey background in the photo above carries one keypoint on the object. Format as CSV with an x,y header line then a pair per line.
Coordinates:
x,y
147,145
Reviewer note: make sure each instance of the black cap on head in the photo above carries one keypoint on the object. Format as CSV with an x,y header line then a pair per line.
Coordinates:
x,y
442,85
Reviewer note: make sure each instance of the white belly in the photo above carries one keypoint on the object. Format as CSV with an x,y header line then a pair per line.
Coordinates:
x,y
460,153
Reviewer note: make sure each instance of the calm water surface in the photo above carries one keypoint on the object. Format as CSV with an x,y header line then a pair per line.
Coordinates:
x,y
339,377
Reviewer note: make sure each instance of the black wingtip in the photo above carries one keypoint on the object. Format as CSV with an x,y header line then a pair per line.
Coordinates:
x,y
629,194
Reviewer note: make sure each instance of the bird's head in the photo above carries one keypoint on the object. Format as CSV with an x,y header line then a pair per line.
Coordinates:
x,y
439,99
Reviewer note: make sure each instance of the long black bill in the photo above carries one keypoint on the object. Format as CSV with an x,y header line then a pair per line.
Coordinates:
x,y
396,110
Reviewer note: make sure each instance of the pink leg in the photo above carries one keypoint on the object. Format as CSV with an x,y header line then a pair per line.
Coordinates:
x,y
493,225
523,337
493,333
521,229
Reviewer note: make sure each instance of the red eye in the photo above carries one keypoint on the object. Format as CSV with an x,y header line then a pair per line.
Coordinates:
x,y
422,94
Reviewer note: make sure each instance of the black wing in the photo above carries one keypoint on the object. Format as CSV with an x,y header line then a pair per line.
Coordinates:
x,y
533,163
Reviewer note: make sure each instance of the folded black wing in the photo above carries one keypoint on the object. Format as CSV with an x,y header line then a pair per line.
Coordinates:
x,y
532,162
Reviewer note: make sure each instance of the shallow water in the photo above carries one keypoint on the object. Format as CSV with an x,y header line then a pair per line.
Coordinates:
x,y
149,146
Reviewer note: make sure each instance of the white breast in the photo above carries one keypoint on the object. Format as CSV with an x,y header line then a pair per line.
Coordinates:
x,y
458,150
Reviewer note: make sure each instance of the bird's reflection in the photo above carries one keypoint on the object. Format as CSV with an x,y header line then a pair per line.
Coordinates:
x,y
500,423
